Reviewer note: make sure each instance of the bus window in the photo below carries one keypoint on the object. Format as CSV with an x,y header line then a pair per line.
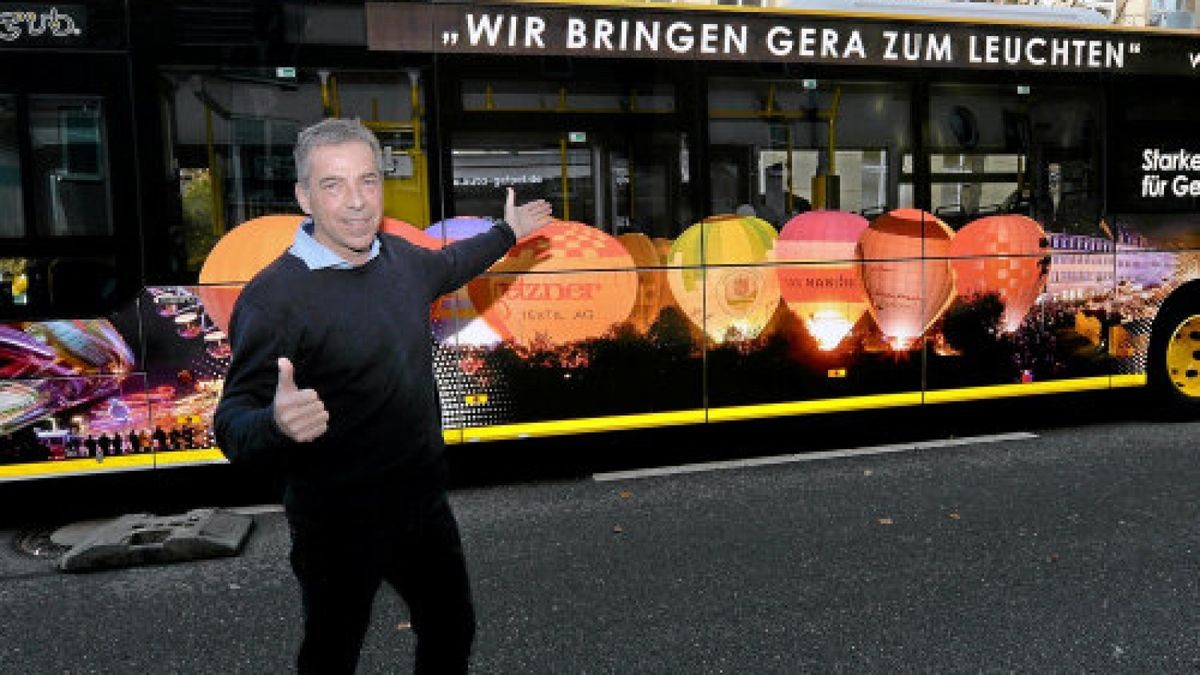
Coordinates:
x,y
1032,150
553,166
233,131
12,205
781,147
70,166
615,180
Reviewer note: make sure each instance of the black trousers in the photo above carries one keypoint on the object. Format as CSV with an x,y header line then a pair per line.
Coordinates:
x,y
340,569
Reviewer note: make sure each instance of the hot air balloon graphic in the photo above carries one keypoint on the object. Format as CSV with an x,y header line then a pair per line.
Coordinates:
x,y
567,282
718,277
819,275
246,249
455,319
906,273
654,293
1005,255
237,257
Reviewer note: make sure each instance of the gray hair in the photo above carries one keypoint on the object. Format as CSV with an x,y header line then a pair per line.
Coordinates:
x,y
332,131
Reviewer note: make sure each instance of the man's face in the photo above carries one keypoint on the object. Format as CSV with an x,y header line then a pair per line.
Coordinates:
x,y
344,196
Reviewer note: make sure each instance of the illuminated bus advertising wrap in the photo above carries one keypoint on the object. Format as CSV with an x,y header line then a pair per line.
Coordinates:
x,y
982,211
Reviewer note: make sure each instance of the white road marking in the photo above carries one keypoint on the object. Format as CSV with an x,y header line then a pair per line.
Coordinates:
x,y
254,510
809,456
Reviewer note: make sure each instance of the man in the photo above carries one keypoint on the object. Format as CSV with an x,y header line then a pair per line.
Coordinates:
x,y
332,379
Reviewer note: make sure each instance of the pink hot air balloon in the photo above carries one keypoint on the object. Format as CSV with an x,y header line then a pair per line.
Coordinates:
x,y
906,273
1002,255
822,287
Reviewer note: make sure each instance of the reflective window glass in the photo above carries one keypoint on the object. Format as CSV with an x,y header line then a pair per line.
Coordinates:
x,y
70,166
12,204
781,147
1006,149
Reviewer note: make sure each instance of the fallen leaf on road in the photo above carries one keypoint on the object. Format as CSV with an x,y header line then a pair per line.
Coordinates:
x,y
886,521
955,516
404,625
626,494
618,529
868,472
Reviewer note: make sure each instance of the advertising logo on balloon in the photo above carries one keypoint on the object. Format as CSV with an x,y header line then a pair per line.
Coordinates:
x,y
568,282
818,277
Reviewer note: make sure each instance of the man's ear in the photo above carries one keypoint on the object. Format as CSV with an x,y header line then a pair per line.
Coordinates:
x,y
302,198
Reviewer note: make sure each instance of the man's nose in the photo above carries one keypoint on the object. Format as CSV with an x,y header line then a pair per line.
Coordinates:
x,y
355,198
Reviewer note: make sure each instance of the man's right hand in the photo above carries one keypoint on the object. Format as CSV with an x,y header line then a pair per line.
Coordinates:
x,y
299,413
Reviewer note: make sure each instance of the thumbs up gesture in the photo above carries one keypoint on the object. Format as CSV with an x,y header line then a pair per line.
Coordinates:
x,y
526,218
299,413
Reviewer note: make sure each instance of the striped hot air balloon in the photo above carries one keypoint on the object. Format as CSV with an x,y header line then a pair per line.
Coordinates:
x,y
818,277
905,270
719,278
1005,255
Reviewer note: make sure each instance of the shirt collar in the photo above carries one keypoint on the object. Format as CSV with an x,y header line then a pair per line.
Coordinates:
x,y
318,256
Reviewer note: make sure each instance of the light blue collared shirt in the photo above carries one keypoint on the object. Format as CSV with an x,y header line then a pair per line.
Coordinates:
x,y
317,255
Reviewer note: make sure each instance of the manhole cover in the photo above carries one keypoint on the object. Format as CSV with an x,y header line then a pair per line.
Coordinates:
x,y
37,543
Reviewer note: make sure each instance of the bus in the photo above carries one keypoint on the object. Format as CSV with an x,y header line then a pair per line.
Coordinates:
x,y
761,211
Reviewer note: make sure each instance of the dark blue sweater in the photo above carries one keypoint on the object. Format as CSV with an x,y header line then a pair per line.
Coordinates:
x,y
362,339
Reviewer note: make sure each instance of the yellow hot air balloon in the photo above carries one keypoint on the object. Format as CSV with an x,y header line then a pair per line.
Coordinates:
x,y
719,278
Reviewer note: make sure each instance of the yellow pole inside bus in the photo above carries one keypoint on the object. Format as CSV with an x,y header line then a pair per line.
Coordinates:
x,y
566,188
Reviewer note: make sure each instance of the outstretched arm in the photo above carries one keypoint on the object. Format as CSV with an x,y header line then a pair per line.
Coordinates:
x,y
467,258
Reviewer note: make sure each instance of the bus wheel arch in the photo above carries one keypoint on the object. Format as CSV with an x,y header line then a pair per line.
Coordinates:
x,y
1173,360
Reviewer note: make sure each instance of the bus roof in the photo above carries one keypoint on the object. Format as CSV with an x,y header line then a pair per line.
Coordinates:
x,y
958,10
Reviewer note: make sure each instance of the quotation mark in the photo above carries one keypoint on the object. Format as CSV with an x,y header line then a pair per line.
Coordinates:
x,y
450,38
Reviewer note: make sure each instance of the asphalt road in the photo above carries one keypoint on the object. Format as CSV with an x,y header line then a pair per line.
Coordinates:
x,y
1074,549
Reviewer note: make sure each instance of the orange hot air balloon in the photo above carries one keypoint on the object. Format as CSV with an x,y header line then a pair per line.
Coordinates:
x,y
718,278
1002,255
413,234
654,293
824,291
567,282
905,272
246,249
238,256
